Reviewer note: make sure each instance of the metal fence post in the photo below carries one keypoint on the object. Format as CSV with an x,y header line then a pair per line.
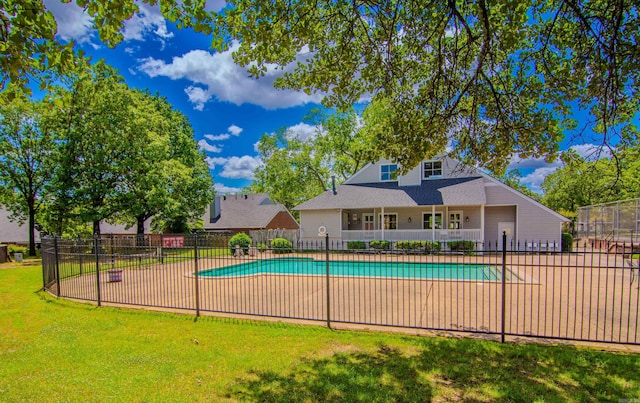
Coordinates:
x,y
326,243
503,281
96,250
80,253
55,246
195,276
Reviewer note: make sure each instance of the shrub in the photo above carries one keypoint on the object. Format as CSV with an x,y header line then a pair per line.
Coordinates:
x,y
13,249
567,242
410,245
461,246
281,245
432,247
241,239
380,245
356,245
261,246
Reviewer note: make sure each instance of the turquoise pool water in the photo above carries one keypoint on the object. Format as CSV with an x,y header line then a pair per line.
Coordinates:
x,y
309,266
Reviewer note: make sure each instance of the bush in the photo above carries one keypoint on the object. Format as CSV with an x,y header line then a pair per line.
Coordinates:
x,y
13,249
380,245
461,246
281,245
567,242
241,239
410,245
432,247
356,245
261,246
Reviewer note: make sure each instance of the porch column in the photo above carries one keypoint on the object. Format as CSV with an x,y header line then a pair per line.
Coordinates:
x,y
482,223
341,222
433,222
382,222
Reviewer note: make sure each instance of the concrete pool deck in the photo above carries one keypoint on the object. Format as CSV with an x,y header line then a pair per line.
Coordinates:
x,y
550,296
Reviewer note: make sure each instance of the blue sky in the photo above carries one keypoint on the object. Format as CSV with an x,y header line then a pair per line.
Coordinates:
x,y
228,110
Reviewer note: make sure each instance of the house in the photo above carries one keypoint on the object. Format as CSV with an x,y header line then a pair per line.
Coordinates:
x,y
246,212
13,231
439,200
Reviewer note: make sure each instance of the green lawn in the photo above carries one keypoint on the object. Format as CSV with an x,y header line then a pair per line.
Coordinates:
x,y
57,350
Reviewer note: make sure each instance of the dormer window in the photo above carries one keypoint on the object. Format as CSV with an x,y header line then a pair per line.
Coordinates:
x,y
389,172
432,169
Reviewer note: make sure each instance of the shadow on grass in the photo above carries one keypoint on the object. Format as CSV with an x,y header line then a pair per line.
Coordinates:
x,y
453,369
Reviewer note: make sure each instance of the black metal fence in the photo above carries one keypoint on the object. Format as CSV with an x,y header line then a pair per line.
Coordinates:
x,y
587,294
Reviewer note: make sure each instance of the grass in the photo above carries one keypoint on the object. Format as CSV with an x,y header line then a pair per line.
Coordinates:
x,y
57,350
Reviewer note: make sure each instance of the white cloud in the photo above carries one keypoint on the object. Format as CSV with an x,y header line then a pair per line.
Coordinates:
x,y
219,137
235,130
236,167
592,152
241,167
535,178
213,162
211,148
303,131
76,24
223,189
73,22
215,75
149,20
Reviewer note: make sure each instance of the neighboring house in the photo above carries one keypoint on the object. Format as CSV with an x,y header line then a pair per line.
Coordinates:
x,y
243,213
440,200
12,231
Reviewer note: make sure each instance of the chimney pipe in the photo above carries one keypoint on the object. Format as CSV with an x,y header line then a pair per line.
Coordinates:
x,y
333,184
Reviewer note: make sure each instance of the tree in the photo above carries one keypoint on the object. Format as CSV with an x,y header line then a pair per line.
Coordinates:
x,y
28,44
125,155
93,118
294,170
493,78
26,144
581,183
168,177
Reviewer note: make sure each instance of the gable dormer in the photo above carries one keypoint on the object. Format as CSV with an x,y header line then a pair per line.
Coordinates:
x,y
439,167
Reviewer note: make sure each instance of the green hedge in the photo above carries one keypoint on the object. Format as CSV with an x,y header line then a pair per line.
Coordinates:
x,y
410,245
281,245
432,247
241,239
356,245
17,249
380,245
567,242
461,246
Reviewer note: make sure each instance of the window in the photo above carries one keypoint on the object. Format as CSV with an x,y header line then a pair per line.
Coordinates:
x,y
388,172
455,220
432,169
389,221
427,221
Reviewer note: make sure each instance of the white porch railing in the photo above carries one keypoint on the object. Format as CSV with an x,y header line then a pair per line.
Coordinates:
x,y
423,235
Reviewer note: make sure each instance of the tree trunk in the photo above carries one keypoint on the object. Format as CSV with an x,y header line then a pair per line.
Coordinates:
x,y
32,225
140,231
96,229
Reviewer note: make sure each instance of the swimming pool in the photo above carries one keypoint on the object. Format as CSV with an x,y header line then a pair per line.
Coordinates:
x,y
309,266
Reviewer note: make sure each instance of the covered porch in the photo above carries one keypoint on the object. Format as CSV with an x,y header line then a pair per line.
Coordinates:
x,y
425,223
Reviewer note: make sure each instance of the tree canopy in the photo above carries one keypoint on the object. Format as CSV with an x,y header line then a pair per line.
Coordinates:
x,y
294,169
490,78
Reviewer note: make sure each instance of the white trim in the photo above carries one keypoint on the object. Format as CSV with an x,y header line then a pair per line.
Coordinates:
x,y
441,176
432,213
461,222
380,172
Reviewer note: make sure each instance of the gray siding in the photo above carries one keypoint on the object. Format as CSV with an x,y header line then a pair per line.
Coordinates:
x,y
535,223
311,220
494,215
11,231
